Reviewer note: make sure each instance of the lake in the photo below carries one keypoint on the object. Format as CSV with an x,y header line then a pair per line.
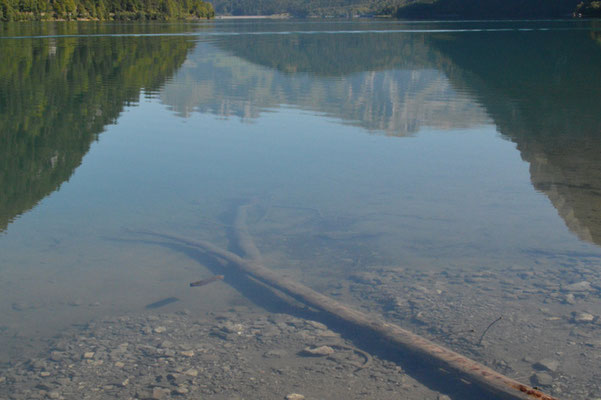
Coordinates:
x,y
445,176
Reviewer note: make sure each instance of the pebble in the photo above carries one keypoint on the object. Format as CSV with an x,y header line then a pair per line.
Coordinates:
x,y
159,393
570,299
318,351
583,317
295,396
54,395
160,329
191,372
44,374
187,353
181,390
88,354
582,286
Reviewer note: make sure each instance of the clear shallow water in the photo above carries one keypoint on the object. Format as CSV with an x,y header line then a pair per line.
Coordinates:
x,y
439,147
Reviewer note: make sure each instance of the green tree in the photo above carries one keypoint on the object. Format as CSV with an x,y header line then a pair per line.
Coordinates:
x,y
54,104
7,11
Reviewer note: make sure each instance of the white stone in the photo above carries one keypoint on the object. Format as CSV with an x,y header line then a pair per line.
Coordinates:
x,y
583,317
181,390
159,393
318,351
582,286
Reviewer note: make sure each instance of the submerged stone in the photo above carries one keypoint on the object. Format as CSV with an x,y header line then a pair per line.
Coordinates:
x,y
541,379
547,364
320,351
582,286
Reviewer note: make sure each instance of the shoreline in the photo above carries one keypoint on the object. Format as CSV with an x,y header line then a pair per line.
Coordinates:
x,y
234,17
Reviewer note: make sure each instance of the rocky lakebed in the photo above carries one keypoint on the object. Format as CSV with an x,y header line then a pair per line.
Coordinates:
x,y
230,355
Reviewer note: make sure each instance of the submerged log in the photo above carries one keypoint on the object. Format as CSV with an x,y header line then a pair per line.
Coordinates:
x,y
497,384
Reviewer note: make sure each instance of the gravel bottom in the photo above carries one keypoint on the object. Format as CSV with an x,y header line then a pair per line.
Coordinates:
x,y
233,355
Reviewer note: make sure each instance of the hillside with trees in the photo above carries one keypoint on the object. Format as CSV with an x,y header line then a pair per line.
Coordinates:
x,y
547,106
54,102
34,10
489,9
304,8
413,9
589,9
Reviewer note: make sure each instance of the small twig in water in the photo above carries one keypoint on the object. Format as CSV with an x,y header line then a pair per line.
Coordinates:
x,y
362,353
487,328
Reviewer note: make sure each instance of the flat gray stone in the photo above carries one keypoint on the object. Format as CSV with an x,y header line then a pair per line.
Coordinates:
x,y
547,364
541,379
582,286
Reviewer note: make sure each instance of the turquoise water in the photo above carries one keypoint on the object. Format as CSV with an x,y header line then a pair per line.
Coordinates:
x,y
435,146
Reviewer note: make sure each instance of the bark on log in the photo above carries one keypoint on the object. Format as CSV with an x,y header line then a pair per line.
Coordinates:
x,y
497,384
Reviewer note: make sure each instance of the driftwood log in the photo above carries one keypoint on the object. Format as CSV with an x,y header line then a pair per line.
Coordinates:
x,y
497,384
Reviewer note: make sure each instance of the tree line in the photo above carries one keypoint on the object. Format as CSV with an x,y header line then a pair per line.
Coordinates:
x,y
19,10
489,9
304,8
415,9
589,9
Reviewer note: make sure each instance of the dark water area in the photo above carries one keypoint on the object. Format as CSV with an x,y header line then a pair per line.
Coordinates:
x,y
440,175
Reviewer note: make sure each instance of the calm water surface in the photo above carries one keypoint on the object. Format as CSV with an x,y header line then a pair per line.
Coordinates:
x,y
440,149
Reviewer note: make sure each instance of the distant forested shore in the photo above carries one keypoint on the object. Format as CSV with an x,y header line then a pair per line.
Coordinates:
x,y
498,9
414,9
103,10
14,10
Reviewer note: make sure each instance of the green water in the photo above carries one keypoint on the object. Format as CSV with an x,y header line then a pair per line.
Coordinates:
x,y
434,146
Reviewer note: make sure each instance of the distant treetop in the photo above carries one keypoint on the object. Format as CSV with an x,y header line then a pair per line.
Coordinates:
x,y
34,10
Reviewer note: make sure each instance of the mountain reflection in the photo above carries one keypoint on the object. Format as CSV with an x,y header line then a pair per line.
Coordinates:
x,y
57,95
540,88
381,82
543,91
